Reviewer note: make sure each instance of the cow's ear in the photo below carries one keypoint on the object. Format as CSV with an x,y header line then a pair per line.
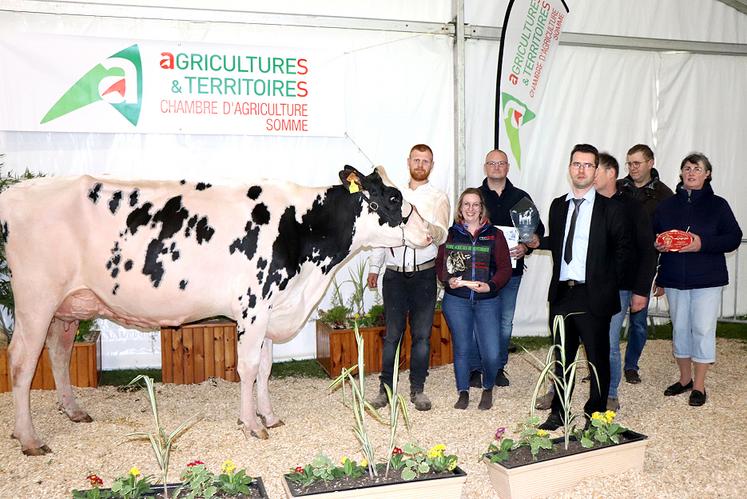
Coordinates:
x,y
351,179
384,177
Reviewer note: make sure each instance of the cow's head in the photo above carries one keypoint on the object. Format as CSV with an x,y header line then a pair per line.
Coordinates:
x,y
384,202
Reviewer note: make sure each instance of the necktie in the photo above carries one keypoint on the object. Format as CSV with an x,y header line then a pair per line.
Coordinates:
x,y
568,256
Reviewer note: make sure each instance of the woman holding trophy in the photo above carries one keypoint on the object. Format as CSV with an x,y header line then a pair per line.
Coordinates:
x,y
473,264
694,229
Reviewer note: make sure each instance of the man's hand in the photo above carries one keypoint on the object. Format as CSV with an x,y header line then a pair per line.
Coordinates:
x,y
693,246
373,280
638,303
534,243
518,251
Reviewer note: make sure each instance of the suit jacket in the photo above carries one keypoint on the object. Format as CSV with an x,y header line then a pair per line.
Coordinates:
x,y
610,252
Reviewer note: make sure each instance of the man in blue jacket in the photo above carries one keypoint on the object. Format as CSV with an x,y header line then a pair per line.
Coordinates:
x,y
500,196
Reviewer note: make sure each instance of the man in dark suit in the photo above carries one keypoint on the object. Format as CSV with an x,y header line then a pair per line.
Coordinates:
x,y
591,246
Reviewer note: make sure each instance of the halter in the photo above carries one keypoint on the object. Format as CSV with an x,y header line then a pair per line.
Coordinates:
x,y
375,207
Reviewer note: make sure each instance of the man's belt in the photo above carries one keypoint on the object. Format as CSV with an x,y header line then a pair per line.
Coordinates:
x,y
421,266
572,283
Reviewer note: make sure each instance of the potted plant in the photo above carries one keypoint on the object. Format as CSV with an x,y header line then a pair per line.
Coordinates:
x,y
534,464
197,480
409,470
335,339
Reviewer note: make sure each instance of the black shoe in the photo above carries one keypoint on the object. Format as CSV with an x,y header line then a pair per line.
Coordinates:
x,y
463,401
486,400
553,422
475,379
512,348
501,379
697,398
677,388
631,376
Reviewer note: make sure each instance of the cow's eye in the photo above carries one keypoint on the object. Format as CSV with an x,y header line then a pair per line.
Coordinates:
x,y
393,199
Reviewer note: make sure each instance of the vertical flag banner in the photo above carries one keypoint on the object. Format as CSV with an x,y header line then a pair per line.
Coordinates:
x,y
531,31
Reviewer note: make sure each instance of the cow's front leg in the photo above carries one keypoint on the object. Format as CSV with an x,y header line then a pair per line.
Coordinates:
x,y
263,392
250,338
60,337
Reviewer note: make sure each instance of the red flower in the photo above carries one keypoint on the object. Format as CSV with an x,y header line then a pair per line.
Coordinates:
x,y
94,480
396,451
499,433
196,462
299,469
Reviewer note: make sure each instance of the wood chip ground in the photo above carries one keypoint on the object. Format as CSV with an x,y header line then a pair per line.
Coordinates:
x,y
693,451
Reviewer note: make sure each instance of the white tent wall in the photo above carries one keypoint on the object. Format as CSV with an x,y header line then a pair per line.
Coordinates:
x,y
399,91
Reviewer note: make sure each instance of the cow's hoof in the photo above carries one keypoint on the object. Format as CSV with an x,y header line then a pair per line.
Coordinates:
x,y
276,424
260,434
37,451
81,418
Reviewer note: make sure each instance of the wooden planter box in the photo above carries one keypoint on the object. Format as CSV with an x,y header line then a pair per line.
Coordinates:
x,y
195,352
554,475
336,348
85,367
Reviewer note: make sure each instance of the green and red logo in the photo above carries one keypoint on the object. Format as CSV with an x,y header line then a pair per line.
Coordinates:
x,y
118,80
516,114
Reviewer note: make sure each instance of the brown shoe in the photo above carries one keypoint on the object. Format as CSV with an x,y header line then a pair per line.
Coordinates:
x,y
544,402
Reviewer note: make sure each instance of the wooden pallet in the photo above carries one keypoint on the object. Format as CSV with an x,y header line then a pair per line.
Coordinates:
x,y
336,348
85,367
193,353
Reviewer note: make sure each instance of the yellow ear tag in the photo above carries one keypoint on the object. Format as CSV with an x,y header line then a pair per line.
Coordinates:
x,y
352,184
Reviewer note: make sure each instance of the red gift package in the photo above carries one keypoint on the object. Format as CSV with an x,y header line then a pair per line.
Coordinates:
x,y
674,240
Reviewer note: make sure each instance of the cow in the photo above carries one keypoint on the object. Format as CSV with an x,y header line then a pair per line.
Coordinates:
x,y
162,253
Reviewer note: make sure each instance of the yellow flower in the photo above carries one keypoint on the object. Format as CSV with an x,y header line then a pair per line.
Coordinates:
x,y
609,416
228,467
542,433
596,415
343,459
436,451
357,316
363,463
134,471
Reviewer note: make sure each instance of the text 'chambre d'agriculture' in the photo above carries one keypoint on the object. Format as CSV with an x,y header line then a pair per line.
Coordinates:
x,y
246,85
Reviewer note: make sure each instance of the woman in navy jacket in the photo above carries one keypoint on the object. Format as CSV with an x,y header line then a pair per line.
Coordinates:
x,y
694,276
476,255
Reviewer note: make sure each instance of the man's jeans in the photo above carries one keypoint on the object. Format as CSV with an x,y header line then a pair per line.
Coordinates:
x,y
472,325
506,307
637,334
615,327
414,293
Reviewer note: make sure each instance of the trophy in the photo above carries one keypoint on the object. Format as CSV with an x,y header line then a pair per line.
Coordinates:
x,y
525,217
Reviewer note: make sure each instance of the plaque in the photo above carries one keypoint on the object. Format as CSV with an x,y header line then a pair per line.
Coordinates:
x,y
674,240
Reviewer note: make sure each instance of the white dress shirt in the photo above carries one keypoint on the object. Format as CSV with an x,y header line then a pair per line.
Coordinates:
x,y
576,269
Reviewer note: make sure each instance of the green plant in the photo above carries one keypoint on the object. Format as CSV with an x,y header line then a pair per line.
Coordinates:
x,y
414,460
338,317
131,486
323,468
359,403
198,481
160,441
532,437
602,429
356,303
233,482
555,361
95,491
500,447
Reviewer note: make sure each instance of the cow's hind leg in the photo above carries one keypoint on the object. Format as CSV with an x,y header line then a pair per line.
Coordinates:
x,y
24,350
249,349
263,392
60,338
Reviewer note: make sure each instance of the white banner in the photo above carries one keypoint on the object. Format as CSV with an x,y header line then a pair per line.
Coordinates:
x,y
85,84
531,31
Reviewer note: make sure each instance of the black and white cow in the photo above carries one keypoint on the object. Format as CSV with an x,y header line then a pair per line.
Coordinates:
x,y
155,253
